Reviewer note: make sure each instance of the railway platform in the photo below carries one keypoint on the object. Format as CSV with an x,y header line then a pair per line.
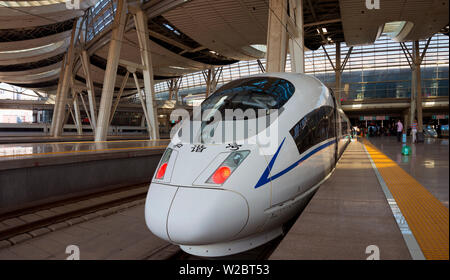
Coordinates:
x,y
374,206
37,173
65,138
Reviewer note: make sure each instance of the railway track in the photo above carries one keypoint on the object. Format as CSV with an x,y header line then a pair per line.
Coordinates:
x,y
22,224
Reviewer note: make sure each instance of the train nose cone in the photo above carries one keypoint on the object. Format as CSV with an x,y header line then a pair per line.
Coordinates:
x,y
157,205
203,216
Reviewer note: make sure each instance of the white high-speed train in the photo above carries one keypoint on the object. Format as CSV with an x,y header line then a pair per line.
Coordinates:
x,y
217,198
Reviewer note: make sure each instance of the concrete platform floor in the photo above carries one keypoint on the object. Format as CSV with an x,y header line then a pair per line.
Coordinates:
x,y
428,163
348,213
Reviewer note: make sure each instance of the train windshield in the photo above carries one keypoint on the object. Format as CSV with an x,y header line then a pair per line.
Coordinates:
x,y
254,96
251,93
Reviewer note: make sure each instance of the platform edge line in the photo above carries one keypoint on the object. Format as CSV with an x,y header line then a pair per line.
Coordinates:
x,y
408,236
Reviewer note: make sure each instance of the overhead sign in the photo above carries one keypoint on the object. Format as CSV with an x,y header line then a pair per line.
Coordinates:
x,y
440,117
373,118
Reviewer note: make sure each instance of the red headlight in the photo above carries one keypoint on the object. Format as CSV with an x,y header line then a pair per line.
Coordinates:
x,y
161,171
224,171
221,175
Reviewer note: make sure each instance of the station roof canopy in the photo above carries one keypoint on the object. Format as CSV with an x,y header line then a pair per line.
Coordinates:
x,y
192,35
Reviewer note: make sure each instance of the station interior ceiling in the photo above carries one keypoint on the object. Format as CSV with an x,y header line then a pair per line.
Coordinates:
x,y
188,37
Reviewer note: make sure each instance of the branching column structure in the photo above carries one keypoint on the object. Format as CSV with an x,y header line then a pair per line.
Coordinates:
x,y
76,109
285,28
415,59
212,77
174,87
338,68
90,89
119,95
105,112
276,36
296,36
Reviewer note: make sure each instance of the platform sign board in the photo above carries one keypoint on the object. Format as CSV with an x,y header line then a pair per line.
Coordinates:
x,y
382,118
373,118
367,118
440,117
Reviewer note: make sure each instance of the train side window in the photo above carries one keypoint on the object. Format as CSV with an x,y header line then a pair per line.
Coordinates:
x,y
314,128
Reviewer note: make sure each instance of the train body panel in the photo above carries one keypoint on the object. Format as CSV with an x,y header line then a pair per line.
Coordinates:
x,y
218,197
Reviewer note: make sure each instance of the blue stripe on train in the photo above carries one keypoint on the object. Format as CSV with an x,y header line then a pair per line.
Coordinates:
x,y
265,176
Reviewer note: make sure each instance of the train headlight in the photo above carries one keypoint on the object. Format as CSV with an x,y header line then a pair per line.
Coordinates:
x,y
227,167
221,175
161,171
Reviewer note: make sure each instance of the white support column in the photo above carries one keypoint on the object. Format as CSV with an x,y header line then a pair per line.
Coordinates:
x,y
143,121
147,117
418,85
109,81
71,114
87,111
412,110
76,109
140,20
174,86
208,78
90,89
276,36
338,68
170,86
119,95
216,77
338,72
177,88
58,94
211,76
62,100
416,80
177,97
296,40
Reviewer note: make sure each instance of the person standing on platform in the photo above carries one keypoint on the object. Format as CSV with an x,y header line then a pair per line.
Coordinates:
x,y
399,130
414,131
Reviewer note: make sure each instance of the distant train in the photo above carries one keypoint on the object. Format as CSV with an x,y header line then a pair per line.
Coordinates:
x,y
216,199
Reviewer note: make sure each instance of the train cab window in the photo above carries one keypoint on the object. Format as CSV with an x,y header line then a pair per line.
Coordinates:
x,y
257,93
254,93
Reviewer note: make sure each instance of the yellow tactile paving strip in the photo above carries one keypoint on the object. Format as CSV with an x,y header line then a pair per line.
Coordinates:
x,y
426,216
